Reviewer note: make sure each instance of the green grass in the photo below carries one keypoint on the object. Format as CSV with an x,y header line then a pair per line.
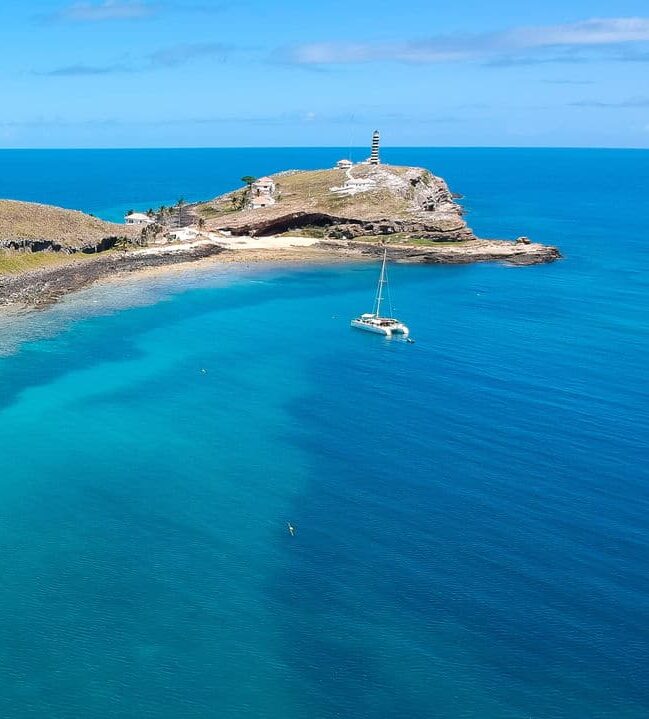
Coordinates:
x,y
28,221
435,243
310,192
402,238
13,263
209,212
316,232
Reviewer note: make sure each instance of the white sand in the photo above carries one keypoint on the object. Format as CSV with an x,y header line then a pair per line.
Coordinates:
x,y
243,242
263,243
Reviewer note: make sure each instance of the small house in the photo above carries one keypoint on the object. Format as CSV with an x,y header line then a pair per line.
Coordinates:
x,y
138,218
263,186
261,193
262,201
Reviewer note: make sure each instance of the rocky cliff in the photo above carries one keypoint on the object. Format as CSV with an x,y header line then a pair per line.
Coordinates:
x,y
379,200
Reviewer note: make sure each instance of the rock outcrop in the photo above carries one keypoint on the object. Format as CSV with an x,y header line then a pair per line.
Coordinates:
x,y
408,206
337,227
392,200
33,227
516,253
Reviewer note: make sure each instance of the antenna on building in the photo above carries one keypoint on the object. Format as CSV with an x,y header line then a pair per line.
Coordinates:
x,y
351,137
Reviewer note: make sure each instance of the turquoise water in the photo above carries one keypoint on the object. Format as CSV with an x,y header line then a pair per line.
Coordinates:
x,y
471,510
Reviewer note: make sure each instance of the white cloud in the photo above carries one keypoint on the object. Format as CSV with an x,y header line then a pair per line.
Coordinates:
x,y
81,70
89,11
634,102
184,53
168,57
588,32
105,10
528,44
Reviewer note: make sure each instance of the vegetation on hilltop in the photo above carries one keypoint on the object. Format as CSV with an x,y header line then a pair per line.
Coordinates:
x,y
12,262
34,226
394,199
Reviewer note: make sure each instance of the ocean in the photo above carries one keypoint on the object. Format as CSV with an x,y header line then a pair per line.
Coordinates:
x,y
471,511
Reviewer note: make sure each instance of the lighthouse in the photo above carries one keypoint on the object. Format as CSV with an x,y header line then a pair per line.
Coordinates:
x,y
374,157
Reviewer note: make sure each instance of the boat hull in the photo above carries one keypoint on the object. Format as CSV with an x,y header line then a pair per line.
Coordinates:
x,y
371,328
387,330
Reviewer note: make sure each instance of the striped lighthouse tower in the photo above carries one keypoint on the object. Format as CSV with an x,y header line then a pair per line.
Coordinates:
x,y
374,157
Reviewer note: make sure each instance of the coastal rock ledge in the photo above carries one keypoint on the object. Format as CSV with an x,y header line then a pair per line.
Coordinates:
x,y
460,253
357,208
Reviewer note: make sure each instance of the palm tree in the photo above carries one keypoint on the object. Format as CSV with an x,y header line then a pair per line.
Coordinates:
x,y
163,214
180,205
248,180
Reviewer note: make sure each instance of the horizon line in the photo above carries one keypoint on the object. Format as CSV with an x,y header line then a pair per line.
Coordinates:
x,y
321,147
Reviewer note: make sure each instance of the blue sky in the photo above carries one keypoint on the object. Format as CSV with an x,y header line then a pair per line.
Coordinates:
x,y
182,73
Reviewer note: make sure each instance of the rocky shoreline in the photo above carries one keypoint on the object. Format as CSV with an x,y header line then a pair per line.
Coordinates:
x,y
521,252
43,287
293,217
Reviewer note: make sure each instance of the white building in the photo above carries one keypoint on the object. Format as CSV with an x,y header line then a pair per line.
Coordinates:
x,y
138,218
261,193
263,201
264,185
344,164
354,186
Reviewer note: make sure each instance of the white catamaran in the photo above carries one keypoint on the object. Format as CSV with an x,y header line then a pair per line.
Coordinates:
x,y
372,321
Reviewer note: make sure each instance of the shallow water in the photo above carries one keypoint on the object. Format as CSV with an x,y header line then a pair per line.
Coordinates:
x,y
471,510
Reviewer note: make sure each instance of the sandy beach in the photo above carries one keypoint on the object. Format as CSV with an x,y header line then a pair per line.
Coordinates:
x,y
41,287
296,256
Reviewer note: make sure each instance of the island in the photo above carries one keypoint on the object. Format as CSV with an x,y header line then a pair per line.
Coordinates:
x,y
359,209
350,211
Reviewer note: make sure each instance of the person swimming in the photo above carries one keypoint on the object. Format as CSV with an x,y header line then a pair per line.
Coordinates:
x,y
291,529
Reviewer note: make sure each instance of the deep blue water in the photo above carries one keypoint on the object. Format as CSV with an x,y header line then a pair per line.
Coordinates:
x,y
471,510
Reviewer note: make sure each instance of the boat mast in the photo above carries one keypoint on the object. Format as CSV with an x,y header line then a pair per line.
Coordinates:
x,y
379,290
